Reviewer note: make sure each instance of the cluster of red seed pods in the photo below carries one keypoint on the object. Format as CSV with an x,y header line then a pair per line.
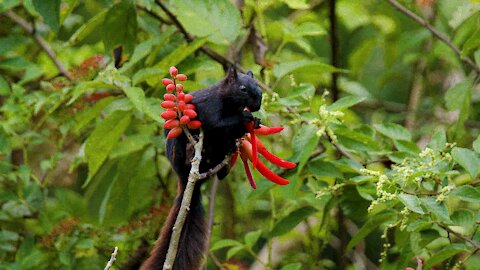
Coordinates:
x,y
179,111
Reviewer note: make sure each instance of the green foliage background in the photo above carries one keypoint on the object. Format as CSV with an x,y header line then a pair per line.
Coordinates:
x,y
388,155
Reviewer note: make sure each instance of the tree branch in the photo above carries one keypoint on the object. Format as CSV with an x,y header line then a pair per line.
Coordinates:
x,y
193,177
40,41
334,48
441,36
112,259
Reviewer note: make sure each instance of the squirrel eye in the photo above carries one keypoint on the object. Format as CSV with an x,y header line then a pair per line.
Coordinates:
x,y
243,88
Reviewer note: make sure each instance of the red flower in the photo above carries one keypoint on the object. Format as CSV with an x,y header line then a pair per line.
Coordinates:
x,y
249,149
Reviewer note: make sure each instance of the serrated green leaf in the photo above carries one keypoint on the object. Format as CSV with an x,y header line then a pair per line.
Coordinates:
x,y
50,11
411,202
85,116
324,168
120,27
218,20
438,140
137,97
468,159
368,227
304,142
467,193
447,252
287,223
439,210
102,140
345,102
252,237
407,146
393,131
130,144
94,24
225,243
310,66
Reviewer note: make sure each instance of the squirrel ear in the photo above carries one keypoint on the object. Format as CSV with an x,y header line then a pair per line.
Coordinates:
x,y
250,73
232,75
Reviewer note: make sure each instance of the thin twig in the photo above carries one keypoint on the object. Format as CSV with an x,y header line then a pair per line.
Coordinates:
x,y
193,177
217,168
441,36
112,259
464,238
40,41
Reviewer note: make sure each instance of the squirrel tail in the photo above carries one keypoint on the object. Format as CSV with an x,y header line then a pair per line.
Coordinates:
x,y
191,248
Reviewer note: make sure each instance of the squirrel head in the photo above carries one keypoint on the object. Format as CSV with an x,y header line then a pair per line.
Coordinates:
x,y
241,91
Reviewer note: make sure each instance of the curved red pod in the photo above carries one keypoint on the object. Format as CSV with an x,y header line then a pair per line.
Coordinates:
x,y
244,158
273,158
264,130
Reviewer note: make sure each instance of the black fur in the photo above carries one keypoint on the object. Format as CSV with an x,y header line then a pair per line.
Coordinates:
x,y
220,108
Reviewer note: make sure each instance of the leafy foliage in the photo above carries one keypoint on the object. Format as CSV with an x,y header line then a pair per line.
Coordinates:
x,y
385,137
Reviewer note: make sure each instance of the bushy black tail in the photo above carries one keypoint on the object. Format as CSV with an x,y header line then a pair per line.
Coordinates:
x,y
191,247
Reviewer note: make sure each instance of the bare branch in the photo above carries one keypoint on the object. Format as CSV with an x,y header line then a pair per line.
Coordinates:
x,y
193,177
441,36
40,41
217,168
112,259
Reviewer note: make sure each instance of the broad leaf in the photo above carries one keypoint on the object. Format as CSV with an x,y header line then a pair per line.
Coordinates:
x,y
447,252
467,193
137,97
467,159
287,223
252,237
369,227
476,144
87,28
411,202
225,243
50,11
103,139
310,66
439,210
393,131
120,27
345,102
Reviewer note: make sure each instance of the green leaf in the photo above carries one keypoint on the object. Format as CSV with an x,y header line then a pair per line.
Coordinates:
x,y
467,193
179,54
292,266
87,28
345,102
234,250
310,66
103,139
50,11
448,252
476,144
146,74
287,223
4,86
304,142
438,140
252,237
455,96
225,243
368,227
85,116
130,144
407,146
8,4
393,131
218,20
439,210
137,97
467,159
411,202
120,27
324,168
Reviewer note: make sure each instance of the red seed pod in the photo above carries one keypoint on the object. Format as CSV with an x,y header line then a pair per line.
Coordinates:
x,y
195,124
173,71
170,97
172,123
184,120
166,81
181,96
179,87
181,77
174,133
167,115
170,87
190,113
167,104
181,106
190,107
188,98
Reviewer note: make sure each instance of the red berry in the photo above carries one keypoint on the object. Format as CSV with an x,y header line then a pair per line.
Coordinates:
x,y
194,124
170,97
179,87
181,77
190,107
166,81
167,104
167,115
180,96
172,123
173,71
184,120
188,98
174,133
170,87
181,106
190,113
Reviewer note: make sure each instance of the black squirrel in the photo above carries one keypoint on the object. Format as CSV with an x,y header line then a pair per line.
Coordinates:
x,y
223,109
